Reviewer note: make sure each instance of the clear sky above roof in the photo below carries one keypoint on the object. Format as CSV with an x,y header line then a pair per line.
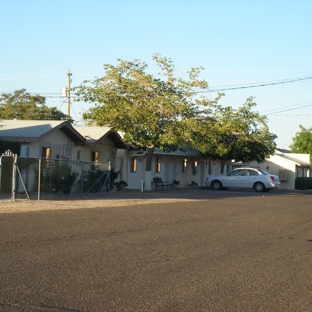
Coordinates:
x,y
239,43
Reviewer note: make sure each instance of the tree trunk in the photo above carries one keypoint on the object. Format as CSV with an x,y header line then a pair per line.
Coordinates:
x,y
148,169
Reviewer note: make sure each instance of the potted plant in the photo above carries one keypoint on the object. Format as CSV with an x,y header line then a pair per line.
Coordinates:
x,y
121,185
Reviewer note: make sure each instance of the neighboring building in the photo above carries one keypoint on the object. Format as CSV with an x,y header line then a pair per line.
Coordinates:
x,y
42,138
57,139
101,145
84,149
185,166
288,166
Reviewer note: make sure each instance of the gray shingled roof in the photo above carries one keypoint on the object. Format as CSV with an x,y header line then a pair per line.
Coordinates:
x,y
33,130
298,162
27,128
93,134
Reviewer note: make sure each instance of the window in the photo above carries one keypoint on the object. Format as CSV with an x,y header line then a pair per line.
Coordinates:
x,y
228,167
24,151
282,173
194,165
252,173
158,164
184,165
46,154
134,164
209,168
78,156
235,173
95,158
68,152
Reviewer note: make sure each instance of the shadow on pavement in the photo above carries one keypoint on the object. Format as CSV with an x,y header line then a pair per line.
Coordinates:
x,y
196,194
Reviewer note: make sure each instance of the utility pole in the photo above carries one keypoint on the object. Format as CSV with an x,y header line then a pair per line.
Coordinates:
x,y
68,93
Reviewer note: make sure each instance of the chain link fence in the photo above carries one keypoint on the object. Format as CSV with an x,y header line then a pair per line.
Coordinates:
x,y
38,178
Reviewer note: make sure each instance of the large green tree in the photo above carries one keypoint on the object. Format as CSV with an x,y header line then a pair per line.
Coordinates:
x,y
226,133
166,112
302,142
24,106
151,111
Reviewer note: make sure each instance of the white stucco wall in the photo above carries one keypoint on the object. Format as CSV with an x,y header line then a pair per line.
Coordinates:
x,y
55,141
285,161
171,169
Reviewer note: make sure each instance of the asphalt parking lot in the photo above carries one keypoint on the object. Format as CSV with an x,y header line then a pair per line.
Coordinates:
x,y
183,250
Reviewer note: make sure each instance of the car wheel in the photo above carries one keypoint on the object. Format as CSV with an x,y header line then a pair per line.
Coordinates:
x,y
216,185
259,187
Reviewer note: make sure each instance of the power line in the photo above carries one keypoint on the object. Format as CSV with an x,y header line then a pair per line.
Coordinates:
x,y
289,109
260,84
238,87
291,115
282,109
274,109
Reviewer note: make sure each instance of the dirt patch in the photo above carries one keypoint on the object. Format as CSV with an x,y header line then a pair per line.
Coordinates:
x,y
20,206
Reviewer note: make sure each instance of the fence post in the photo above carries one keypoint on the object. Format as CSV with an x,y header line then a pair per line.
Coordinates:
x,y
109,177
14,177
39,180
81,181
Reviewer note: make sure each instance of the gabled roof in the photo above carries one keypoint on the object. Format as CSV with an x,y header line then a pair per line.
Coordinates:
x,y
35,130
291,157
95,134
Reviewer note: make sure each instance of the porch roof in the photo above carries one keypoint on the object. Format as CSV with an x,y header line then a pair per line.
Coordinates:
x,y
184,152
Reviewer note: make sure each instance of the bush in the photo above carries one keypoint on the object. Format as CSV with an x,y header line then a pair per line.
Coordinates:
x,y
57,178
92,179
302,183
121,182
14,147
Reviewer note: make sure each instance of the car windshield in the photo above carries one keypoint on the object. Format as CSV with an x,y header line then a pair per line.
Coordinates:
x,y
263,172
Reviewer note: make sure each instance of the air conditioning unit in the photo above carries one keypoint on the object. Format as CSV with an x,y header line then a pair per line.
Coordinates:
x,y
282,173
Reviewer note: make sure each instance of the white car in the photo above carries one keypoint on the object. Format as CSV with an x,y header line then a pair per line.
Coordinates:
x,y
259,180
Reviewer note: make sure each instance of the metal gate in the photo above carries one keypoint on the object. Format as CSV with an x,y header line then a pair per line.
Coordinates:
x,y
45,178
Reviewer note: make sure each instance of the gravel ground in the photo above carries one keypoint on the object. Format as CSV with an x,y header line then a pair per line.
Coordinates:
x,y
133,197
115,199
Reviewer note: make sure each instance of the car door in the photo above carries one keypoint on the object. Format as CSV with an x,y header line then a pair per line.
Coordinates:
x,y
233,179
249,177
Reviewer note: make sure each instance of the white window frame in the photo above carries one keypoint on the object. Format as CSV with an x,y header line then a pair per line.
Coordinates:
x,y
68,152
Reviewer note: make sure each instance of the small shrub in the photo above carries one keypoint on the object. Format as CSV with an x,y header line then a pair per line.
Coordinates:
x,y
91,179
303,183
57,178
121,182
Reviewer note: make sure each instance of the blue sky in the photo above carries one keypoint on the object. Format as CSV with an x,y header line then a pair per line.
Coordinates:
x,y
238,43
